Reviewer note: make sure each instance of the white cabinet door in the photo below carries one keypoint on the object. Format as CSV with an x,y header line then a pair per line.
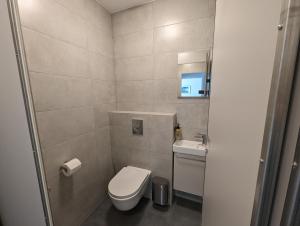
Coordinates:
x,y
189,173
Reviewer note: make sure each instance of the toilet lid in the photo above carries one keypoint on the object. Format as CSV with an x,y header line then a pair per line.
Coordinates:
x,y
127,181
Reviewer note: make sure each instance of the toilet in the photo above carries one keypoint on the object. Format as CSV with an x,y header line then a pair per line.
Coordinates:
x,y
128,186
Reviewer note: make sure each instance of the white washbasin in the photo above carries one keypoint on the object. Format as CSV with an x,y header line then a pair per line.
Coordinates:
x,y
190,147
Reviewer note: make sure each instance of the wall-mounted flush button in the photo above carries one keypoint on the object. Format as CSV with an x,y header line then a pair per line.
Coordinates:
x,y
137,127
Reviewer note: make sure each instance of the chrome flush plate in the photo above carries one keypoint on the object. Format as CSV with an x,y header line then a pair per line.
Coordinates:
x,y
137,127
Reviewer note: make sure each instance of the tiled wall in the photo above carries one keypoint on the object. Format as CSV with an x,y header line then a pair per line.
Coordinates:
x,y
152,150
69,51
147,40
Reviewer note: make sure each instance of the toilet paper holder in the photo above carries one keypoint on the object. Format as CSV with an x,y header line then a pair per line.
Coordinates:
x,y
70,167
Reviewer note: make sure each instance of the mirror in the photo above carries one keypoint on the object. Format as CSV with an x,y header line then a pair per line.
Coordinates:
x,y
194,74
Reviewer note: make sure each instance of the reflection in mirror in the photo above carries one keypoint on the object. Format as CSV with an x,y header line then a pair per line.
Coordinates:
x,y
193,74
193,84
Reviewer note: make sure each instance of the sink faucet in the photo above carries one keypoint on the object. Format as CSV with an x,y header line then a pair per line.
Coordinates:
x,y
201,137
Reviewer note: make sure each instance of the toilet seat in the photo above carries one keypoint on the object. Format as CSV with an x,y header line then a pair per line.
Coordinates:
x,y
127,182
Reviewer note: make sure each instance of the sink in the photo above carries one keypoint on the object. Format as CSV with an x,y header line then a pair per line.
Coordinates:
x,y
190,147
189,167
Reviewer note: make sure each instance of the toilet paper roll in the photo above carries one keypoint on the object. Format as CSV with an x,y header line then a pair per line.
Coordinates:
x,y
70,167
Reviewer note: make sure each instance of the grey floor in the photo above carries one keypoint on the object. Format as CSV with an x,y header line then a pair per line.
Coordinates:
x,y
182,213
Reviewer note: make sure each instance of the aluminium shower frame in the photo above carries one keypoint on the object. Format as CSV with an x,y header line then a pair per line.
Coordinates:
x,y
29,107
277,113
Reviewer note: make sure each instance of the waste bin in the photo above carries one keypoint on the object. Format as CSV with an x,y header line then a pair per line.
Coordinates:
x,y
160,191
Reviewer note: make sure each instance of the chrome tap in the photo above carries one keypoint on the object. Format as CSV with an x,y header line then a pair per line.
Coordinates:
x,y
202,138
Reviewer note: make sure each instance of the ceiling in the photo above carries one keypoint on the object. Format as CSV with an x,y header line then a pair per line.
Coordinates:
x,y
114,6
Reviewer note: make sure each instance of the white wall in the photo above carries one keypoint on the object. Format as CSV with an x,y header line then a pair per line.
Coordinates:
x,y
244,49
20,200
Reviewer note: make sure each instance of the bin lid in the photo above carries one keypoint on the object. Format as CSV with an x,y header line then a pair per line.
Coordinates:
x,y
160,180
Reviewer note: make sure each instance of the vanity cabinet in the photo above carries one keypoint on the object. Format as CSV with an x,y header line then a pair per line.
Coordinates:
x,y
189,173
189,167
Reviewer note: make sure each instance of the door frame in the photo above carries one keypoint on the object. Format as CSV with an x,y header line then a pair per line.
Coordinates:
x,y
15,23
277,113
291,211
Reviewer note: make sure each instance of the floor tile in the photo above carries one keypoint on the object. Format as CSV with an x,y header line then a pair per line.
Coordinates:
x,y
181,213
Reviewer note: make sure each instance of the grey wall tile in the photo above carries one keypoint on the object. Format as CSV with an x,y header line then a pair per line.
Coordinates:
x,y
138,141
165,107
79,92
117,119
98,16
67,202
136,68
166,90
99,41
162,133
104,92
166,65
132,20
103,142
65,25
79,147
135,107
66,193
104,157
81,192
49,92
101,112
139,92
199,34
178,26
188,36
78,7
59,125
162,122
54,157
161,141
120,136
193,115
81,120
119,156
139,157
135,44
175,11
45,54
189,133
57,92
53,127
161,165
169,38
69,49
123,137
124,119
101,67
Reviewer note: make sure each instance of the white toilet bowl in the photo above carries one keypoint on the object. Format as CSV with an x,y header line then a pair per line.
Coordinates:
x,y
128,187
